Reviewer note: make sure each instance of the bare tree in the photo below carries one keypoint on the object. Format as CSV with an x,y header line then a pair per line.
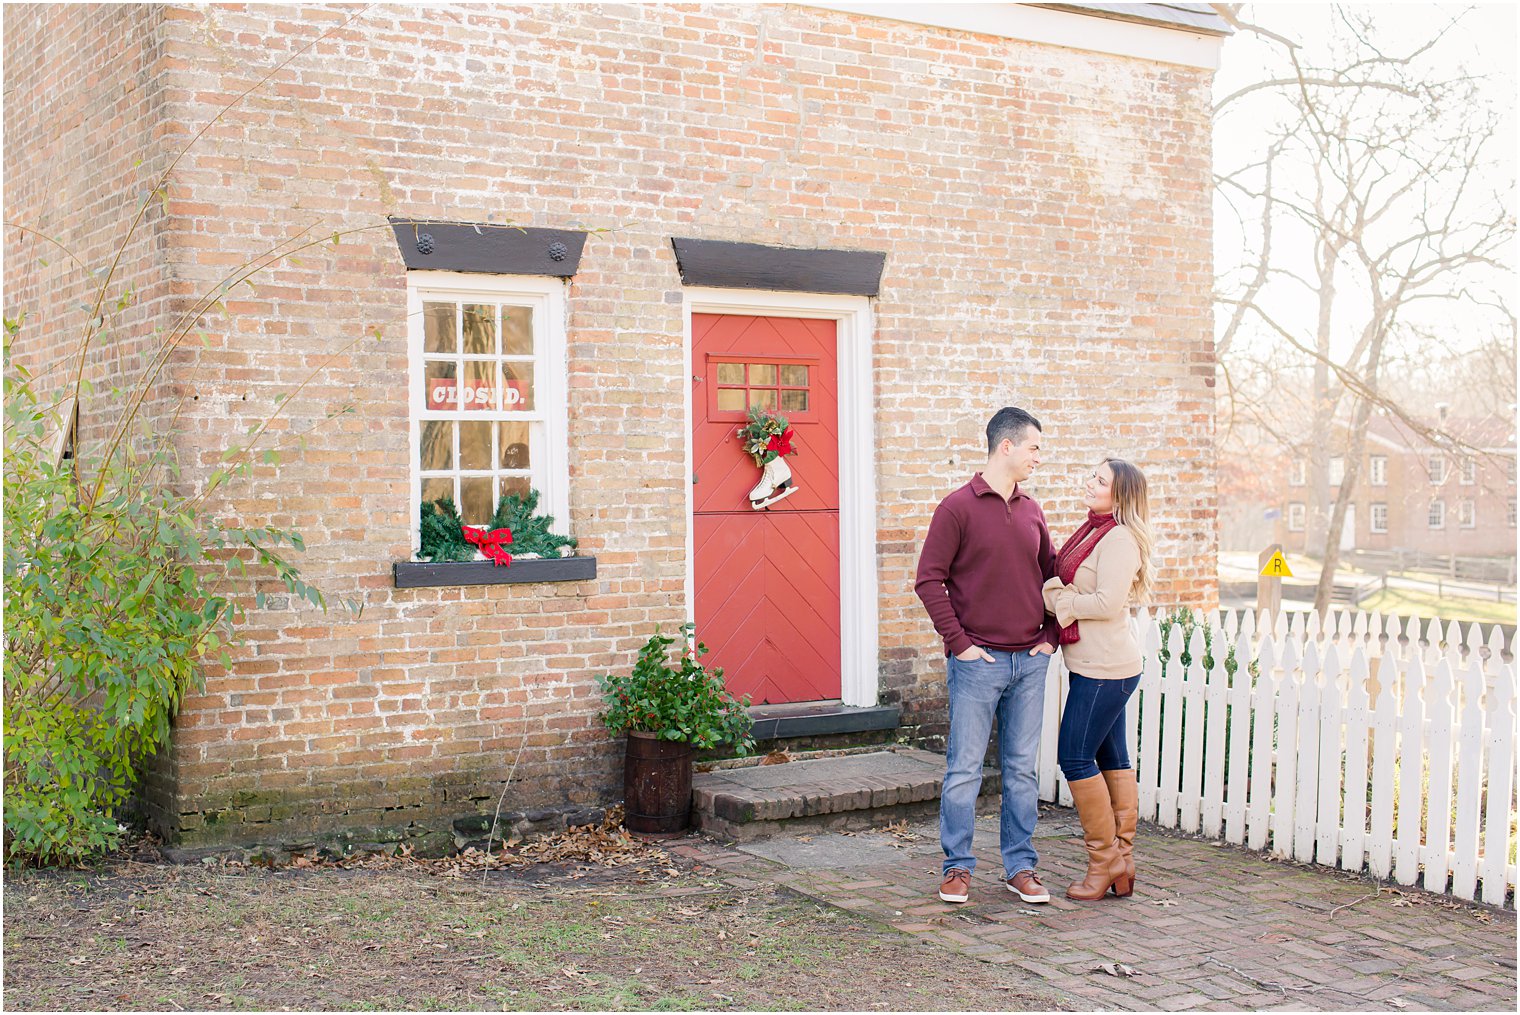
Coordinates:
x,y
1373,205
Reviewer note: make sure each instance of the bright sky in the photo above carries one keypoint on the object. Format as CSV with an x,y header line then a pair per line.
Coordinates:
x,y
1483,43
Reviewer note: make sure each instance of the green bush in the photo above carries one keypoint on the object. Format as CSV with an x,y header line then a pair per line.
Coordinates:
x,y
113,601
685,703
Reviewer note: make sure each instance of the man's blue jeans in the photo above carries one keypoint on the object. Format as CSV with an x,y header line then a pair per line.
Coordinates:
x,y
1012,689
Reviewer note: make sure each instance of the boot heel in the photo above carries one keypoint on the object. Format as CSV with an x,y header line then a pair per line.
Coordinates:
x,y
1124,886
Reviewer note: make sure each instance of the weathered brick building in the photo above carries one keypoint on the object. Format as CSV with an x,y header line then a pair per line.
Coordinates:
x,y
1001,205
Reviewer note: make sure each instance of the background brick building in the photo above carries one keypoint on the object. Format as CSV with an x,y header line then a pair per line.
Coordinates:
x,y
1034,182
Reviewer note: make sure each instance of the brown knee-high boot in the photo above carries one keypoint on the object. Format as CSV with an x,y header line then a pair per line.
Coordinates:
x,y
1125,794
1104,864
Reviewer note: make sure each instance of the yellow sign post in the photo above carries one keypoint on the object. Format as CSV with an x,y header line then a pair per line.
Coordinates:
x,y
1274,567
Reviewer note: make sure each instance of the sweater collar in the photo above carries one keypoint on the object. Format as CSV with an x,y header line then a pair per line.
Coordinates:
x,y
981,487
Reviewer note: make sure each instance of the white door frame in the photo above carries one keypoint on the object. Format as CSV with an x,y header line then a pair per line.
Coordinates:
x,y
857,464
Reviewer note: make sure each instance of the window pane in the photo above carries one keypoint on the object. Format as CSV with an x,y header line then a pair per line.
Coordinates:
x,y
519,389
730,399
479,384
730,373
437,448
517,331
479,329
514,445
475,446
433,489
439,387
475,494
518,485
764,399
762,373
438,328
794,375
794,401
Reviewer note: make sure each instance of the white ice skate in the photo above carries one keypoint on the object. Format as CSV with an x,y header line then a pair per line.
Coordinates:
x,y
775,484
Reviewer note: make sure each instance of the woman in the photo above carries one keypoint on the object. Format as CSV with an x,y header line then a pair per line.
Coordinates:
x,y
1104,565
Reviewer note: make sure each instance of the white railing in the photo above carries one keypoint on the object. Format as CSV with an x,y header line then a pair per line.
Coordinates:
x,y
1356,743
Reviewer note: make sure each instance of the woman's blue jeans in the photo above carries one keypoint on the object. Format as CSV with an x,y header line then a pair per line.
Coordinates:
x,y
1092,727
1012,689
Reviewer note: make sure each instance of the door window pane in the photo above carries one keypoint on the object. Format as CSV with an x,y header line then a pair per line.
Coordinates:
x,y
438,333
433,489
479,329
730,373
730,399
794,375
518,485
437,445
765,399
475,446
794,401
762,373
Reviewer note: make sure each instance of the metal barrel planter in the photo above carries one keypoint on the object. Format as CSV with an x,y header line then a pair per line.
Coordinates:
x,y
656,784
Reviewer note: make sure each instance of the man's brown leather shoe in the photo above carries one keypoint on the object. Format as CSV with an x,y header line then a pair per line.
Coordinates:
x,y
1026,885
956,886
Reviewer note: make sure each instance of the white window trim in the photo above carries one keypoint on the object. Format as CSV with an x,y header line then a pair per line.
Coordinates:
x,y
1433,504
1298,473
1335,470
1372,517
1436,466
1302,515
1376,476
1467,471
1472,517
858,583
550,385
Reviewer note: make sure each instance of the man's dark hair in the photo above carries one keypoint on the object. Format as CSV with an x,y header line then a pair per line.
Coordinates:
x,y
1009,424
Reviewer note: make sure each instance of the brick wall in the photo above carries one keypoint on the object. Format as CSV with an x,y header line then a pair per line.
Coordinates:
x,y
1046,218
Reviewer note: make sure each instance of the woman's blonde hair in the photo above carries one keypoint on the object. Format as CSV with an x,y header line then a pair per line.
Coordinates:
x,y
1132,509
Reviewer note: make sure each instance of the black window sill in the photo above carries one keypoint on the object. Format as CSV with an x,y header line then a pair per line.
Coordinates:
x,y
421,574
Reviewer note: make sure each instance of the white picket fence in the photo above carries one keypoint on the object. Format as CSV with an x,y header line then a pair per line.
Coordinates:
x,y
1370,743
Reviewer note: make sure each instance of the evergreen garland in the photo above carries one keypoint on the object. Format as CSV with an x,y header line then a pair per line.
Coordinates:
x,y
443,539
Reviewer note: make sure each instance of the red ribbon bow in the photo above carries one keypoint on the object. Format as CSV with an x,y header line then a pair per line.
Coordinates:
x,y
491,543
781,443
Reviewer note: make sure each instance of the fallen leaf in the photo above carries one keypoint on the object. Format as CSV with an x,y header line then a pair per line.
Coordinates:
x,y
1116,969
1164,903
1397,1002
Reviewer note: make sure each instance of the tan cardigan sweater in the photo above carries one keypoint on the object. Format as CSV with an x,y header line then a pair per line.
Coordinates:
x,y
1098,600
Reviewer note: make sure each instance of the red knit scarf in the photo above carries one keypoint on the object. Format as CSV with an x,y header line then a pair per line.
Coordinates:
x,y
1073,553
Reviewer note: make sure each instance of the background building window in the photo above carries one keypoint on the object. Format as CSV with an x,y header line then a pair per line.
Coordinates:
x,y
1437,470
1511,507
1437,514
1295,517
1337,470
1468,471
1379,518
1467,514
1298,472
1377,470
488,393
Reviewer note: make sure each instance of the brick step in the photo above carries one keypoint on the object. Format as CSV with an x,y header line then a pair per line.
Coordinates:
x,y
844,793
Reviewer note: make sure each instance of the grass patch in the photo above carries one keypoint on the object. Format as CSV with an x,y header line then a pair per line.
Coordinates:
x,y
1448,607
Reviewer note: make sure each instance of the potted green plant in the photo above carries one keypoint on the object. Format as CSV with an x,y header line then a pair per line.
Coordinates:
x,y
668,711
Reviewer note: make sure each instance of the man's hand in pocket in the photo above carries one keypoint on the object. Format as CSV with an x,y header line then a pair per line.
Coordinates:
x,y
974,653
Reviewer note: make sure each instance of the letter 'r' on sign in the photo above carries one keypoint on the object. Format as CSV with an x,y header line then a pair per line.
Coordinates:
x,y
1277,567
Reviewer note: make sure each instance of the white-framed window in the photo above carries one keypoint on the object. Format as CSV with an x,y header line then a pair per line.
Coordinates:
x,y
1295,517
1436,517
1510,506
488,392
1437,467
1337,470
1509,469
1467,514
1298,472
1378,517
1377,470
1467,471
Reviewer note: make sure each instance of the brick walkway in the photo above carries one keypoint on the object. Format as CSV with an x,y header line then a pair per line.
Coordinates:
x,y
1210,927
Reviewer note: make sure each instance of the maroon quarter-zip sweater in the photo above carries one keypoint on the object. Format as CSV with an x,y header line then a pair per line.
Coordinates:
x,y
982,568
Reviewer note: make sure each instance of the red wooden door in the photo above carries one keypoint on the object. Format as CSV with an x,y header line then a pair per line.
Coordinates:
x,y
767,582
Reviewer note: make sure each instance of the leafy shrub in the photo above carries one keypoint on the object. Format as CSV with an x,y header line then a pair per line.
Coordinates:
x,y
684,703
113,600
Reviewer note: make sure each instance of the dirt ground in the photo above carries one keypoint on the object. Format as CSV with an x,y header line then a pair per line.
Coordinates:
x,y
555,936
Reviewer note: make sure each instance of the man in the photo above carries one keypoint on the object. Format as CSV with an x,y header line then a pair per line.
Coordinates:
x,y
984,562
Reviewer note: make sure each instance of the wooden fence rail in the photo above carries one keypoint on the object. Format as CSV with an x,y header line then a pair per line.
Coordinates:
x,y
1366,742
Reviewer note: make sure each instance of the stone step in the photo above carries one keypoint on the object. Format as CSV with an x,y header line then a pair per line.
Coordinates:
x,y
844,793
